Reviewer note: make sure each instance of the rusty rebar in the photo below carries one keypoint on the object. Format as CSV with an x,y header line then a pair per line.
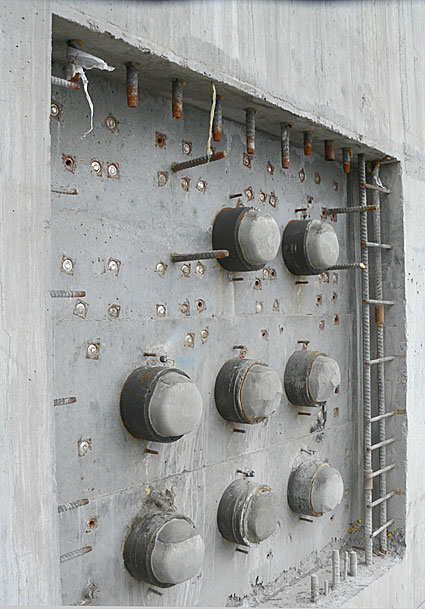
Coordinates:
x,y
199,256
177,97
348,265
329,150
218,119
346,159
64,191
308,142
64,401
61,82
347,210
202,160
284,144
75,553
72,505
67,294
132,84
250,130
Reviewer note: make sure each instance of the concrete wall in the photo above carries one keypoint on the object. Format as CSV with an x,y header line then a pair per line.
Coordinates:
x,y
359,67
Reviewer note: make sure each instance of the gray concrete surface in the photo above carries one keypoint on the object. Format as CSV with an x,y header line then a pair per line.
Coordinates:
x,y
360,72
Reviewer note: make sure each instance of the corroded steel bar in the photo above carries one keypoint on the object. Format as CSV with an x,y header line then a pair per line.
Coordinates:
x,y
348,265
61,82
218,119
329,150
284,143
202,160
348,210
72,505
346,159
132,84
250,130
64,191
75,553
200,256
308,142
67,294
177,97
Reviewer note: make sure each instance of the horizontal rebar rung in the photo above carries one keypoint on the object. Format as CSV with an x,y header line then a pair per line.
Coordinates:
x,y
379,302
385,416
382,189
380,360
384,246
381,471
380,500
381,444
384,526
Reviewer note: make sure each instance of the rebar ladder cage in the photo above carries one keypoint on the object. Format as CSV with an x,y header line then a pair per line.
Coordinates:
x,y
377,250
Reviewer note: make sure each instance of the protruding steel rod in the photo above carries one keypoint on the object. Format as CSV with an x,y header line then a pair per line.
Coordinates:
x,y
380,472
64,191
199,256
348,265
330,211
132,84
367,407
177,97
382,443
157,592
202,160
353,563
336,569
329,150
284,144
379,360
308,142
383,528
67,294
325,587
346,159
75,553
64,401
72,505
218,119
386,415
381,499
61,82
382,246
250,130
314,586
385,191
345,572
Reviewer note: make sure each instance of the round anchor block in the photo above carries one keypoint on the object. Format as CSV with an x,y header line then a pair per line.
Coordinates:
x,y
314,488
247,513
309,247
160,404
247,391
251,236
310,378
164,549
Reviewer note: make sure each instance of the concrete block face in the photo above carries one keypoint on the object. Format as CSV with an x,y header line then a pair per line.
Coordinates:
x,y
176,370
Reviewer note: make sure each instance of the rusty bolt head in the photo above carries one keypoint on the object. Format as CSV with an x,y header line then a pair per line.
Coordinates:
x,y
69,163
334,277
201,186
190,339
185,183
317,178
257,284
114,311
246,161
97,167
322,324
302,175
204,335
262,197
187,147
113,171
270,168
200,269
273,200
92,351
55,110
276,305
185,270
162,178
114,266
160,139
80,309
83,447
201,305
161,310
67,265
258,307
111,123
161,267
266,273
185,308
249,193
272,274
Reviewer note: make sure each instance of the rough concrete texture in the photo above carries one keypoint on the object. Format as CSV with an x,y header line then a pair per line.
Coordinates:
x,y
321,245
176,405
365,80
324,378
261,392
259,237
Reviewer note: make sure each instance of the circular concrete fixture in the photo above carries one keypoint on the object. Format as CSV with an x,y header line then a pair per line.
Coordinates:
x,y
247,391
251,236
160,404
310,378
164,549
247,513
309,247
314,488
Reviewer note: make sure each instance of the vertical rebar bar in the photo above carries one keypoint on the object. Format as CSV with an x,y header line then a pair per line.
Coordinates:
x,y
336,569
325,587
284,144
308,142
218,119
346,159
367,427
353,563
132,84
250,130
177,97
314,585
329,150
345,572
379,322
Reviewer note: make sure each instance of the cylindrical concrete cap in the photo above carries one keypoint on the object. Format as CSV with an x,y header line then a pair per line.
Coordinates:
x,y
247,391
314,488
252,237
164,549
247,513
309,247
310,378
160,404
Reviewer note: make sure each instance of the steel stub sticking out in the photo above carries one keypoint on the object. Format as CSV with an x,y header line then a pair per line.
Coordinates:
x,y
310,378
329,150
132,84
247,513
314,488
251,236
284,144
164,549
346,159
177,97
250,130
160,404
218,119
247,391
308,142
309,247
